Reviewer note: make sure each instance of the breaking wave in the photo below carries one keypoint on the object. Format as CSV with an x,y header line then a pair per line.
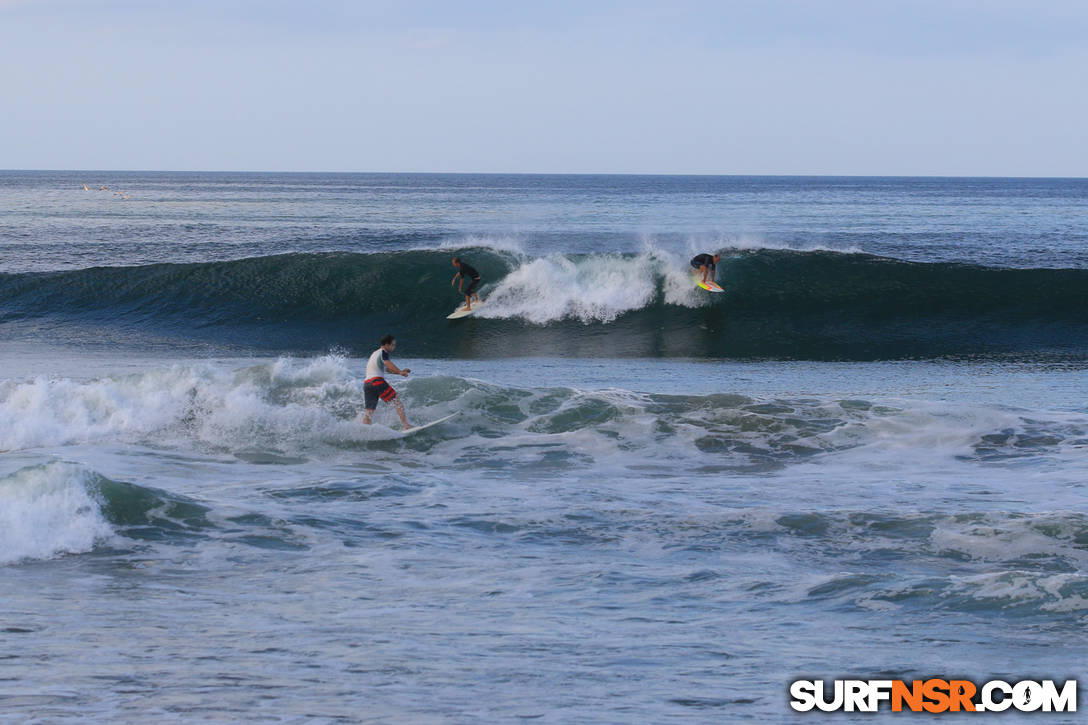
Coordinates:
x,y
778,304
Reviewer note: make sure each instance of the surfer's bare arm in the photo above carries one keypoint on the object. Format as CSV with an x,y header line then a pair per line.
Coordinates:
x,y
390,367
454,278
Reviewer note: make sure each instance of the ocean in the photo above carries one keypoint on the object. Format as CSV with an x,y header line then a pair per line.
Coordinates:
x,y
866,459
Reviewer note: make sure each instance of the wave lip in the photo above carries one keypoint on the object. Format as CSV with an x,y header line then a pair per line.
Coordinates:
x,y
50,510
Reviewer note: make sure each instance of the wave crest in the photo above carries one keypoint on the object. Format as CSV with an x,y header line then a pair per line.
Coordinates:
x,y
49,510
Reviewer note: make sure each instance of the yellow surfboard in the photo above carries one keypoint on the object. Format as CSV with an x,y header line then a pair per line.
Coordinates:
x,y
709,285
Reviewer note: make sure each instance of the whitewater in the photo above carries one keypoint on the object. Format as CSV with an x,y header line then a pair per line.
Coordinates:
x,y
866,459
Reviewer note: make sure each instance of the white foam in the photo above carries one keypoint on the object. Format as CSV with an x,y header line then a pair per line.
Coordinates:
x,y
998,537
48,510
282,403
502,245
726,242
310,407
43,411
749,244
594,288
1054,591
601,287
324,370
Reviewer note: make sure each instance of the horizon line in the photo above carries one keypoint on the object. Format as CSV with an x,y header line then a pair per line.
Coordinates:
x,y
550,173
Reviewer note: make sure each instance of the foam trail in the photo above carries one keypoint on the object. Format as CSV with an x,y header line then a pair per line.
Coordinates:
x,y
49,510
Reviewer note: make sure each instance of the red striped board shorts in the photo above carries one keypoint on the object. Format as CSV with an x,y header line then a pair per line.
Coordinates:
x,y
374,388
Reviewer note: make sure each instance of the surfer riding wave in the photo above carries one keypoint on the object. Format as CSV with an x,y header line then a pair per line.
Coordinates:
x,y
466,270
375,386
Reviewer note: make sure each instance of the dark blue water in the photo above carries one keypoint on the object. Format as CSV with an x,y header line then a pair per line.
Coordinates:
x,y
815,268
50,223
866,458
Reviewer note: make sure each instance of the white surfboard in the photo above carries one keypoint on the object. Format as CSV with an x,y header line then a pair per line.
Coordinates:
x,y
425,426
462,312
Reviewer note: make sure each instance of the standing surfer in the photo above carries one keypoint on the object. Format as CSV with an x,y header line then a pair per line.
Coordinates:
x,y
466,270
707,265
375,385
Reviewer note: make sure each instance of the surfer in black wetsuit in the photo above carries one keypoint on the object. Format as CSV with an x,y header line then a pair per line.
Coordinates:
x,y
707,265
466,270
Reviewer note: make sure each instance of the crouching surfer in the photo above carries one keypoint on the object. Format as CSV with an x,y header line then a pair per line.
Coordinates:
x,y
707,265
375,386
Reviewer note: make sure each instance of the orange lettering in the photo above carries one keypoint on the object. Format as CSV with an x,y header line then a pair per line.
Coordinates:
x,y
937,692
961,692
912,695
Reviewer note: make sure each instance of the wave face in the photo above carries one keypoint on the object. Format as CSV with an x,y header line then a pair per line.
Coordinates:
x,y
788,304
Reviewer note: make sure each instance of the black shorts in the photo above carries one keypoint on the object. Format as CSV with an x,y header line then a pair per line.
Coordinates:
x,y
375,388
472,286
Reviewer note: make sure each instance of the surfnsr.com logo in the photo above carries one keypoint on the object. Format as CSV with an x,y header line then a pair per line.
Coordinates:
x,y
934,695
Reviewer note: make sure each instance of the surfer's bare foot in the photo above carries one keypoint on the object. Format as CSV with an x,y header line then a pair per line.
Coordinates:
x,y
408,427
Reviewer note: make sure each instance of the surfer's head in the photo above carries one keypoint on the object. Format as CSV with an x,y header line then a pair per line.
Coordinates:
x,y
389,342
456,261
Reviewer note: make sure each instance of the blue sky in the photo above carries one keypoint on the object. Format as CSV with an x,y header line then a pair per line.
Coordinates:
x,y
992,88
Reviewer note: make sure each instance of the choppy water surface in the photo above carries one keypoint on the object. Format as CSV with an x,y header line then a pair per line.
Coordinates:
x,y
867,459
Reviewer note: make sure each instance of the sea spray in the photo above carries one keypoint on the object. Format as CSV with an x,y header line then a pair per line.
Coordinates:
x,y
48,510
598,288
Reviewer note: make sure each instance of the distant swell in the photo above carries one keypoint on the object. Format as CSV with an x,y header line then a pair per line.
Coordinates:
x,y
778,304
